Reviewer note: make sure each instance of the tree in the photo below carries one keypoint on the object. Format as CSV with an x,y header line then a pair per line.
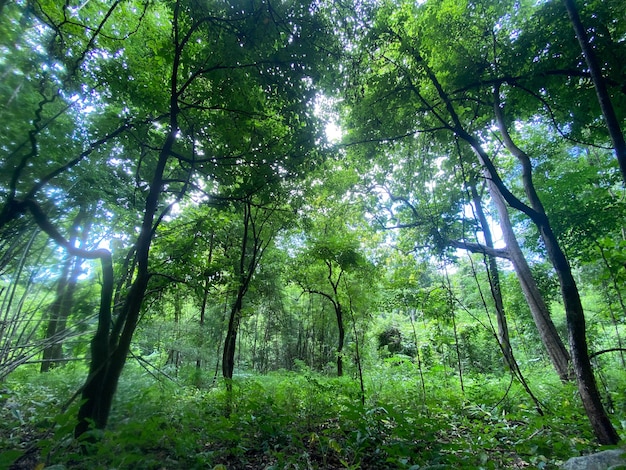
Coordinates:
x,y
415,201
175,121
539,310
258,228
604,99
170,146
332,262
587,387
62,305
493,274
417,61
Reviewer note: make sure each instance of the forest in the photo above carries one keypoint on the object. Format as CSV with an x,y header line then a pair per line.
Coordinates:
x,y
339,234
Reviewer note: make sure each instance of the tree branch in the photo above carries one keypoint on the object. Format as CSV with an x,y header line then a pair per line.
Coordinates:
x,y
480,248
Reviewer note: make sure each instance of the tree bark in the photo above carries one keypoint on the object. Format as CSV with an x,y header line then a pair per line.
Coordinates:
x,y
341,338
588,390
174,355
228,357
603,429
557,352
92,390
500,193
338,308
334,300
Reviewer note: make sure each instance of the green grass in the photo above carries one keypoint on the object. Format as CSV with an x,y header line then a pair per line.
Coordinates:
x,y
301,421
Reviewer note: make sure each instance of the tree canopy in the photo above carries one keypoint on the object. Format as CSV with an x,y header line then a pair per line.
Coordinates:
x,y
410,196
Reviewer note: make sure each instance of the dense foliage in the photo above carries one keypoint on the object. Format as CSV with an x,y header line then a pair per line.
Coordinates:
x,y
301,419
287,234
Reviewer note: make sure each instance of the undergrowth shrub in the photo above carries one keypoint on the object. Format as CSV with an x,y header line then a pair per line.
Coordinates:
x,y
304,420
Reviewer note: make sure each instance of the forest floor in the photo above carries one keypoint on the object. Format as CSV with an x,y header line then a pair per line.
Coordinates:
x,y
297,420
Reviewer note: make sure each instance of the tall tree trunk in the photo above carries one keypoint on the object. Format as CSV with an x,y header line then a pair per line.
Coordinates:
x,y
457,349
100,342
552,342
174,354
604,99
62,306
419,359
56,351
110,349
500,193
494,283
603,429
587,386
340,339
205,298
357,350
230,345
252,248
53,346
254,354
338,308
228,357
